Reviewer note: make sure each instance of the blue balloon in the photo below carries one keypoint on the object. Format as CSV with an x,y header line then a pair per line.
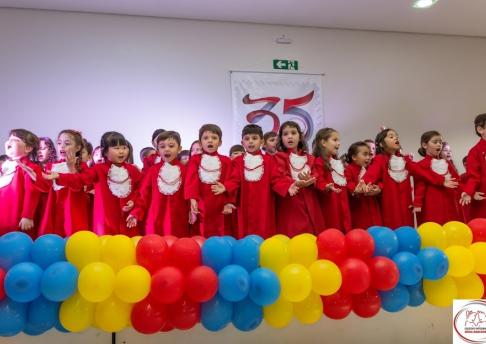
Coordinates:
x,y
417,296
48,249
13,316
14,249
32,330
58,326
264,287
396,299
216,253
42,315
230,240
216,314
234,283
22,282
408,264
434,263
386,241
59,281
255,237
408,239
247,315
246,253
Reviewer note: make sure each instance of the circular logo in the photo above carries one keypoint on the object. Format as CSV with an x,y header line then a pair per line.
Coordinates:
x,y
470,322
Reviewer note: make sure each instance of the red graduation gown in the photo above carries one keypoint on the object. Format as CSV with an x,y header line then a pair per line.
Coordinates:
x,y
476,178
150,161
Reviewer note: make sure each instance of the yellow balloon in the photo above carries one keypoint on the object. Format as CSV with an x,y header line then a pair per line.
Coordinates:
x,y
274,254
103,240
458,233
278,314
432,235
461,261
132,284
82,248
76,314
285,239
309,311
295,282
479,252
112,315
303,249
469,287
118,252
135,240
96,282
440,292
326,277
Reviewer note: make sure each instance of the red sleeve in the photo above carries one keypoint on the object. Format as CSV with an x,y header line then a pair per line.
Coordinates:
x,y
76,181
142,202
351,182
32,194
374,173
191,187
473,172
280,182
319,170
427,174
230,197
233,182
419,192
137,178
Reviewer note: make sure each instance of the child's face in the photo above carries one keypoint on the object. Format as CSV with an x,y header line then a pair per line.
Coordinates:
x,y
98,156
434,146
481,131
15,148
446,152
168,149
332,144
362,157
118,154
210,142
184,159
196,149
251,142
43,152
66,144
271,144
391,142
372,146
290,138
85,156
235,154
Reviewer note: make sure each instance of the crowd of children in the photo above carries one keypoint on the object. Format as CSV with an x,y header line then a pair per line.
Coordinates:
x,y
271,183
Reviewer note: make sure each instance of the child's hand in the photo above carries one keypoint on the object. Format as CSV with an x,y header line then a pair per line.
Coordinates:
x,y
305,183
131,221
331,187
26,224
417,209
361,187
218,188
228,209
306,175
27,169
293,189
192,218
128,206
194,207
465,199
50,175
479,196
450,183
373,190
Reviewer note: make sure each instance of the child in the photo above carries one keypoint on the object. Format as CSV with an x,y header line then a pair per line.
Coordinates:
x,y
184,156
153,159
97,156
235,151
371,144
331,180
87,152
3,158
203,171
46,153
435,203
146,152
196,148
300,213
463,183
270,142
115,182
161,197
362,201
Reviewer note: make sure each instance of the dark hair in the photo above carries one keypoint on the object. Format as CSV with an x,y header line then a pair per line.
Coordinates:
x,y
354,149
156,133
464,159
368,141
88,146
479,121
130,153
213,128
236,148
425,138
145,151
169,135
252,129
78,141
30,140
3,157
291,124
52,156
182,153
112,139
268,135
319,150
380,139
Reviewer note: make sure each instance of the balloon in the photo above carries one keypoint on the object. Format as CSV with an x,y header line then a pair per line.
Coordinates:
x,y
247,316
483,278
367,304
230,240
337,306
432,235
118,252
13,315
96,282
331,245
469,287
82,248
440,292
303,249
132,284
478,250
167,285
14,249
458,233
112,315
296,282
48,249
274,254
417,296
278,314
408,239
170,240
326,277
2,279
396,299
59,281
461,261
152,252
309,311
356,276
76,314
258,239
216,253
184,313
384,273
411,271
283,238
148,317
42,314
234,283
434,263
216,314
59,327
478,228
359,244
185,254
135,240
264,287
386,241
246,253
201,284
22,282
199,239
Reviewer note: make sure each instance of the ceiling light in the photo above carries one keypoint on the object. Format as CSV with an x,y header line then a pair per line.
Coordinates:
x,y
424,3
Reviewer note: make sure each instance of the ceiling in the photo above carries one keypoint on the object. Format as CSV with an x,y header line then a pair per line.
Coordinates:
x,y
449,17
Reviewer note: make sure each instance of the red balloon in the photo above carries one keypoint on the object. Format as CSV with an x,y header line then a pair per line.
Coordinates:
x,y
356,276
483,278
200,239
478,228
185,254
201,284
167,327
184,314
337,306
367,304
359,244
2,289
331,245
148,316
170,240
384,273
152,252
167,285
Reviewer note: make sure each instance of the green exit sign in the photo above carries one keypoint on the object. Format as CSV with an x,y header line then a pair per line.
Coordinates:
x,y
286,64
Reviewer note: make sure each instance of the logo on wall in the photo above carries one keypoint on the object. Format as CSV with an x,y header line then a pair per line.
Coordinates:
x,y
469,321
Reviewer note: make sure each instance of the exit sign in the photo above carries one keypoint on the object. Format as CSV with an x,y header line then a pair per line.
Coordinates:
x,y
286,64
